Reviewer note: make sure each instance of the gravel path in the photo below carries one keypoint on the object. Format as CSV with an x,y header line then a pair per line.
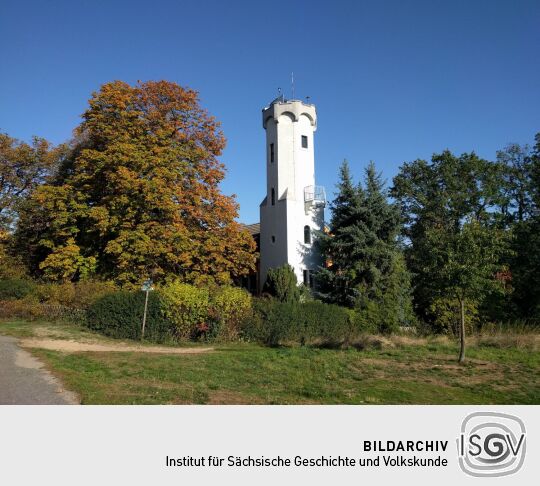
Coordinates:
x,y
78,347
24,381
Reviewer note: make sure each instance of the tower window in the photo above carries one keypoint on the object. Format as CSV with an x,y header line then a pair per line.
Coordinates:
x,y
304,141
273,239
306,277
307,235
271,153
273,196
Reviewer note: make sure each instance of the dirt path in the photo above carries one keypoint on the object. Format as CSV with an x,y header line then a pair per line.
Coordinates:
x,y
77,347
24,380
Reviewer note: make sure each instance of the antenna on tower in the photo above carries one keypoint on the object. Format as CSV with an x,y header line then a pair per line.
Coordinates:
x,y
292,84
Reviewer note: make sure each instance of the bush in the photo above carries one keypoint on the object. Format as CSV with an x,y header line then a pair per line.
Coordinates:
x,y
24,309
79,295
229,308
274,323
445,316
15,288
187,308
327,324
281,283
120,315
10,267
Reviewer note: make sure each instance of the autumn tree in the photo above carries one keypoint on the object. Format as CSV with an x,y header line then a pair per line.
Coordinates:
x,y
138,195
22,167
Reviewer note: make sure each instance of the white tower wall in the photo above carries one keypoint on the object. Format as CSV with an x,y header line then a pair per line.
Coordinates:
x,y
290,173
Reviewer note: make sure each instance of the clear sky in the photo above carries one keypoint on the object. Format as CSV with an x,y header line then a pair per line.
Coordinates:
x,y
392,80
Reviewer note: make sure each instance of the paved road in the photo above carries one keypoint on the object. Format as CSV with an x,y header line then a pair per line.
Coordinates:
x,y
24,381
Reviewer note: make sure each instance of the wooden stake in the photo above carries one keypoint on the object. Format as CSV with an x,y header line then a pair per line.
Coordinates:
x,y
144,315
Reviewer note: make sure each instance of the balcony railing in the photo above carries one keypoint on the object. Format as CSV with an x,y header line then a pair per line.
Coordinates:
x,y
315,195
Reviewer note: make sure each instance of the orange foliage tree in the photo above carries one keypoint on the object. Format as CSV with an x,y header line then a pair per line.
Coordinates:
x,y
138,195
22,168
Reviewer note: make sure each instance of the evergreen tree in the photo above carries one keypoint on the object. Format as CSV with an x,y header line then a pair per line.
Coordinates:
x,y
365,268
282,284
336,281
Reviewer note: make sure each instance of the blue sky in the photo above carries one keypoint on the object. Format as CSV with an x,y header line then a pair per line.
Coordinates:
x,y
392,80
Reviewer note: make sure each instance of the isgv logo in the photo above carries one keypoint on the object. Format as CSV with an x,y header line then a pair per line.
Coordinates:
x,y
491,444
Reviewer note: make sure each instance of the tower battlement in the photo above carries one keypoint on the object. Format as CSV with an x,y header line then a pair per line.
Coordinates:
x,y
292,108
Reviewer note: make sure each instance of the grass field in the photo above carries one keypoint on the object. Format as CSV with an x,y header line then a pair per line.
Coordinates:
x,y
387,371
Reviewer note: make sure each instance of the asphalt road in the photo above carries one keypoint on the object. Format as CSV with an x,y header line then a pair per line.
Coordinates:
x,y
24,380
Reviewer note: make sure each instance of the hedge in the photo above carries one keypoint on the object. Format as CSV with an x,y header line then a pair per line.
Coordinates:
x,y
176,312
15,288
180,312
274,323
120,315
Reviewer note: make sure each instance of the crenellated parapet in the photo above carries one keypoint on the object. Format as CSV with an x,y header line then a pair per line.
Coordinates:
x,y
294,109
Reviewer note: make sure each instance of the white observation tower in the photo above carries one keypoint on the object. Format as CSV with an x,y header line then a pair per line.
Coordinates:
x,y
293,210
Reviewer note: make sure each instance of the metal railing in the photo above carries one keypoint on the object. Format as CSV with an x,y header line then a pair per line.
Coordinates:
x,y
315,195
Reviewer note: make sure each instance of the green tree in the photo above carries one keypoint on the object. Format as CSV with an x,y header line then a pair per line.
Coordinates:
x,y
516,165
366,269
138,194
439,196
465,264
336,282
525,263
282,284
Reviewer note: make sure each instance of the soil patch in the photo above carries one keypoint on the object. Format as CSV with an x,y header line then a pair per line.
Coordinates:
x,y
77,347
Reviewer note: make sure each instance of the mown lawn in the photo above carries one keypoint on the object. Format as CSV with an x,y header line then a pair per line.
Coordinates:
x,y
401,372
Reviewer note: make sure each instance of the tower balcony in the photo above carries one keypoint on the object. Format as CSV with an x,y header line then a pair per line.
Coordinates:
x,y
315,195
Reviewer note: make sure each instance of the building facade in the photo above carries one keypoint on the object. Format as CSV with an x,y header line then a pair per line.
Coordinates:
x,y
292,213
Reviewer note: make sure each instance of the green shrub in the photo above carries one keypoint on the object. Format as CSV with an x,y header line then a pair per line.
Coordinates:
x,y
229,308
281,283
445,315
15,288
186,307
274,323
326,324
120,315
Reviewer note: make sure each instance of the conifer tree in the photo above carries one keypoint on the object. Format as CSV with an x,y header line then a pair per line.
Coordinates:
x,y
366,268
336,280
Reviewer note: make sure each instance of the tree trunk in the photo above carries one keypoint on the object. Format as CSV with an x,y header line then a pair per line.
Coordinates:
x,y
462,332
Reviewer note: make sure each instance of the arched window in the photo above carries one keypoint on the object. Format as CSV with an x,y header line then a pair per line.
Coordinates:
x,y
307,235
273,196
